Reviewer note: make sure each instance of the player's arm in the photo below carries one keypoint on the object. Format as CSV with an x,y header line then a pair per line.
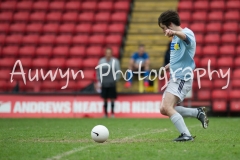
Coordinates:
x,y
179,34
167,66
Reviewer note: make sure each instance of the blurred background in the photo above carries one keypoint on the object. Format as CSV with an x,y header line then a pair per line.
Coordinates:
x,y
51,34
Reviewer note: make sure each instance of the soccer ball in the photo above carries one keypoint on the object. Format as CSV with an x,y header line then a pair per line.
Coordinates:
x,y
100,133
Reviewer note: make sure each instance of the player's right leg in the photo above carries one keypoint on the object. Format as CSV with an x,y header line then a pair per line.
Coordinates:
x,y
199,113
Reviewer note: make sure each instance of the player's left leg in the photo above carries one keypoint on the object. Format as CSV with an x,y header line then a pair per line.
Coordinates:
x,y
112,106
167,108
199,113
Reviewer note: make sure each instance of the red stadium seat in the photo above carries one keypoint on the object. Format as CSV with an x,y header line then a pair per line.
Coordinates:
x,y
198,52
114,39
238,49
184,24
70,17
8,5
38,17
5,74
67,28
26,62
21,16
71,86
50,86
51,28
100,28
97,39
217,5
119,17
199,38
204,94
80,40
230,27
121,6
47,39
89,6
227,50
198,27
212,39
64,39
215,16
206,84
220,94
41,5
199,16
14,39
236,74
25,5
185,5
30,39
232,16
74,63
232,5
77,51
40,63
73,5
2,39
239,38
237,62
230,38
105,6
7,62
44,51
116,28
210,50
235,106
6,16
94,51
57,5
4,27
18,28
10,51
90,63
62,51
214,27
54,17
201,5
83,83
84,28
235,85
86,17
28,51
220,83
34,28
204,62
57,62
185,16
103,17
3,86
89,74
219,106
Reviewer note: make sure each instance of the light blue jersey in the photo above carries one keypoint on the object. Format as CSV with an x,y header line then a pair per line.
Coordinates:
x,y
181,57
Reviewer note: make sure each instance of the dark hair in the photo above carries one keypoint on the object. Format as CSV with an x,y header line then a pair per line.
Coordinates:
x,y
141,45
169,16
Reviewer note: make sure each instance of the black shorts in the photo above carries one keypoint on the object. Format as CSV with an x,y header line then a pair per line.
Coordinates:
x,y
109,92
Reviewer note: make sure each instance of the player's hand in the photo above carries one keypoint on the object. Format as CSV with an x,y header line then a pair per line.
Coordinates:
x,y
167,66
169,32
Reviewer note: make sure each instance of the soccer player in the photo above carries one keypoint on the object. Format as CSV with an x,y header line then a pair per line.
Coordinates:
x,y
183,48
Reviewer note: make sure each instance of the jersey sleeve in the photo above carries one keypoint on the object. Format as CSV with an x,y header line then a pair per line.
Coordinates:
x,y
134,56
190,39
146,56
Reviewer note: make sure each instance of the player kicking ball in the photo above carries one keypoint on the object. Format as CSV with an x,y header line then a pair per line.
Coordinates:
x,y
182,52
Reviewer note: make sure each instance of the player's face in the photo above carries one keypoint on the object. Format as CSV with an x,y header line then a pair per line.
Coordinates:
x,y
108,53
141,50
164,28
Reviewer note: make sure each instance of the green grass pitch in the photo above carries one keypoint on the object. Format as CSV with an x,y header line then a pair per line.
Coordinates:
x,y
130,139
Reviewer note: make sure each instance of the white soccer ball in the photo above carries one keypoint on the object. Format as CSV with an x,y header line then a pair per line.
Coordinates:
x,y
100,133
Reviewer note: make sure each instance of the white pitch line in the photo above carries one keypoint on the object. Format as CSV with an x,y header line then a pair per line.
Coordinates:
x,y
57,157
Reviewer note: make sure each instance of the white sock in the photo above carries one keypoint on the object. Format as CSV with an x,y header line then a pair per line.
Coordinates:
x,y
187,112
178,121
